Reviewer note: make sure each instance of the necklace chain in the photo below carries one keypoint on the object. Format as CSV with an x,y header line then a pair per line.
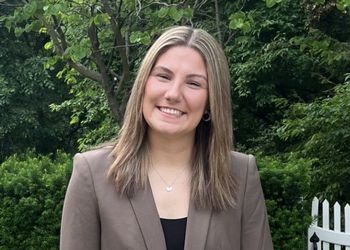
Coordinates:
x,y
168,187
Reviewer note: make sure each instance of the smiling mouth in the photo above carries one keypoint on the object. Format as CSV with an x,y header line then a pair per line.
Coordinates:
x,y
171,111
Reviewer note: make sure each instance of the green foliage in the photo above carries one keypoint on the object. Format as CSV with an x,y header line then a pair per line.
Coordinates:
x,y
26,91
320,131
267,69
287,57
90,113
121,34
285,183
271,3
140,37
94,37
240,20
343,5
32,190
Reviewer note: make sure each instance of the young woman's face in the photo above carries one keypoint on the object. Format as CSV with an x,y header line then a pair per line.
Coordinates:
x,y
176,92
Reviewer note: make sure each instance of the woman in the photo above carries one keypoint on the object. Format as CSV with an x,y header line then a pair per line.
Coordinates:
x,y
171,180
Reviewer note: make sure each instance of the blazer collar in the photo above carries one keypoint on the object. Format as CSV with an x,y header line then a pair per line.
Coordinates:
x,y
197,228
149,222
147,216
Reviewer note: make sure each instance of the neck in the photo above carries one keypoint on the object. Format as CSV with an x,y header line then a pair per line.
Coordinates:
x,y
170,153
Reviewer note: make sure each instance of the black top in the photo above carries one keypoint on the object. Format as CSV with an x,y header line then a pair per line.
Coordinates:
x,y
174,233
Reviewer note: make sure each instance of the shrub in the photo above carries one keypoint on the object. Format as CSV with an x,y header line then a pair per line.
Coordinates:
x,y
286,185
32,190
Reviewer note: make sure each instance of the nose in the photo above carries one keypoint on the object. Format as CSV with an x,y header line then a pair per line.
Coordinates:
x,y
174,92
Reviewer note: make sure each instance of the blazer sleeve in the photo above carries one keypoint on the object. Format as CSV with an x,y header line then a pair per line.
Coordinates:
x,y
80,226
255,228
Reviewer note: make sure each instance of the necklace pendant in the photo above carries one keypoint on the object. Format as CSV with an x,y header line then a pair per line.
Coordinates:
x,y
169,188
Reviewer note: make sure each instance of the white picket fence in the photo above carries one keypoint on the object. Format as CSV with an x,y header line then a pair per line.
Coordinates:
x,y
330,235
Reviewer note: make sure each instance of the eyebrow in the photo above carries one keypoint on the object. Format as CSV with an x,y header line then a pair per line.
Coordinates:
x,y
170,72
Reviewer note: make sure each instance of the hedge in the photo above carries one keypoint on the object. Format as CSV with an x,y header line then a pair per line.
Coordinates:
x,y
286,187
32,190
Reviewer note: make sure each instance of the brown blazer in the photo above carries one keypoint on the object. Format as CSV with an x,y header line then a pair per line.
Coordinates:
x,y
96,217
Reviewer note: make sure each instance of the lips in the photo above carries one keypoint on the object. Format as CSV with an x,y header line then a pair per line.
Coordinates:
x,y
171,111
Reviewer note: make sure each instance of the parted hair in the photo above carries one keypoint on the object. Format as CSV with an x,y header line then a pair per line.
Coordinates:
x,y
212,183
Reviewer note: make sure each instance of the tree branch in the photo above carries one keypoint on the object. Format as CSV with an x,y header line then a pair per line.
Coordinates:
x,y
85,71
106,81
60,33
61,45
120,45
120,8
217,19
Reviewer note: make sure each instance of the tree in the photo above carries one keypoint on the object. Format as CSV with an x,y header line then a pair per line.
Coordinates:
x,y
320,131
99,40
26,91
280,56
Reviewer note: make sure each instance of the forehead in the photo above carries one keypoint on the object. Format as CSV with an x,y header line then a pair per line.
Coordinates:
x,y
178,56
179,49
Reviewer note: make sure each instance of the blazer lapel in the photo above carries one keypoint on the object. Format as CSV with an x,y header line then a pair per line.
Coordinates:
x,y
147,216
197,228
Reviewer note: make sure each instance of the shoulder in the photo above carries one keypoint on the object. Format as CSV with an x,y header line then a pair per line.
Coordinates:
x,y
239,156
244,170
97,160
255,232
242,162
96,155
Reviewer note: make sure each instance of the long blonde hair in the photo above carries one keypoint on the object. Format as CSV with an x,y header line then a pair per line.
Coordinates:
x,y
212,185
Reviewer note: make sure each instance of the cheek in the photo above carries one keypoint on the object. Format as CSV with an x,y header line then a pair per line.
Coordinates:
x,y
199,102
150,98
148,94
152,90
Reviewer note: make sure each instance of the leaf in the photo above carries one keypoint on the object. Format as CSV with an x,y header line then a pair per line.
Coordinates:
x,y
134,37
175,14
74,120
246,27
43,30
77,52
18,31
188,13
101,19
239,20
33,26
48,45
30,9
8,25
53,9
163,12
271,3
146,39
140,37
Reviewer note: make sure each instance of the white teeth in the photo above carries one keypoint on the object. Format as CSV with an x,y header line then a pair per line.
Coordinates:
x,y
171,111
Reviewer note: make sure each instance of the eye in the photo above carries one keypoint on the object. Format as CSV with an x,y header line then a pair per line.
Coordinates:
x,y
194,85
163,77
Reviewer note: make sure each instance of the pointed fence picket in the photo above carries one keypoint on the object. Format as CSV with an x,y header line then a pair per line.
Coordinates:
x,y
321,238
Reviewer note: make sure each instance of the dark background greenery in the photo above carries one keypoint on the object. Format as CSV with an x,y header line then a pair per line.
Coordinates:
x,y
66,68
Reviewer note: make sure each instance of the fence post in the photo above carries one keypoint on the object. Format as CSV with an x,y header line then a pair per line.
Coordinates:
x,y
337,219
347,221
314,239
325,221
